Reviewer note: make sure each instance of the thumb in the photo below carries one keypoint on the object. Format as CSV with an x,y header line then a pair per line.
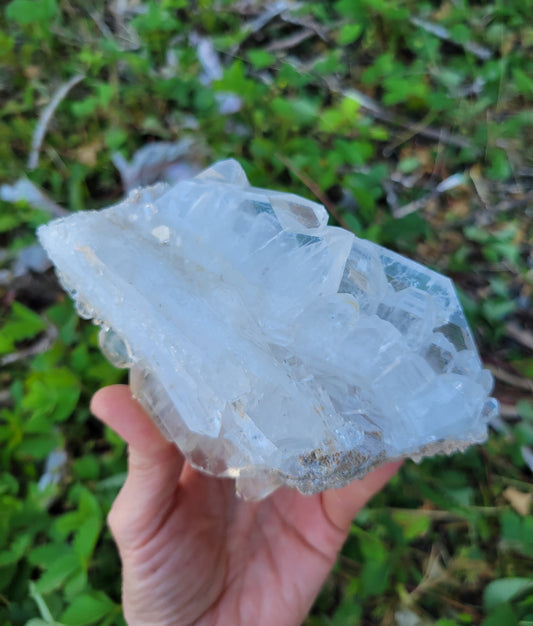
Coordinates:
x,y
154,466
341,505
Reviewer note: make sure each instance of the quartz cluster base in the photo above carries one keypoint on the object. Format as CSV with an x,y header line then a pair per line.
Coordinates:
x,y
270,347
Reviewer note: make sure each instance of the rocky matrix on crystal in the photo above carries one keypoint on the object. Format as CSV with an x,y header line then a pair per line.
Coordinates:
x,y
269,346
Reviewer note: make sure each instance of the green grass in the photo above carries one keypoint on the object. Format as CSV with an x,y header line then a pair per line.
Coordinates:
x,y
450,541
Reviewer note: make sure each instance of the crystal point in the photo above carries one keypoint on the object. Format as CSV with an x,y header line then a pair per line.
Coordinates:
x,y
270,347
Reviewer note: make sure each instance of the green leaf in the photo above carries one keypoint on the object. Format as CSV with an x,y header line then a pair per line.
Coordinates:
x,y
349,33
499,165
38,446
21,324
414,523
377,564
44,554
16,551
87,467
523,81
289,76
495,310
356,11
460,33
53,394
261,58
41,605
31,11
86,538
408,165
87,609
503,590
524,408
115,138
236,81
76,584
504,614
8,484
58,571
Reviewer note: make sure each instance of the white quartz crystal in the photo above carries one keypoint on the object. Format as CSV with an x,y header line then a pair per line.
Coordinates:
x,y
271,347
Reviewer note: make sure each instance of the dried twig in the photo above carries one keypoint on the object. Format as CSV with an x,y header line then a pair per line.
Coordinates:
x,y
290,42
436,134
306,22
511,379
443,33
527,455
448,183
259,22
46,116
266,16
511,205
100,23
508,411
24,190
38,347
5,397
525,337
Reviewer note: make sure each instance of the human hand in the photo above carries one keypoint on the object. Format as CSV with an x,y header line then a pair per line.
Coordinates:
x,y
194,553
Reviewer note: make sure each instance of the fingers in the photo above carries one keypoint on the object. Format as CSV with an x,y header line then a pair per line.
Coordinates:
x,y
154,466
342,505
115,406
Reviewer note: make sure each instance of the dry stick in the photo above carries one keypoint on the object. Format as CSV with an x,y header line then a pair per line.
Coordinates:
x,y
5,397
511,379
440,515
46,116
389,150
258,23
511,205
313,188
443,33
290,42
435,134
306,23
37,348
508,410
24,189
525,337
445,185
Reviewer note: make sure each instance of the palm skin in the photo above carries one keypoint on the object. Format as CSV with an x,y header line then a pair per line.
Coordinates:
x,y
194,553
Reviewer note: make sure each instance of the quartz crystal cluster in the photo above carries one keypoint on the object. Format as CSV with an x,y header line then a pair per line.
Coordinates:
x,y
271,347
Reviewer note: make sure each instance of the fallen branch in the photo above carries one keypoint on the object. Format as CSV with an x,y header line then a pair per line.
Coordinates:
x,y
511,379
24,190
508,410
443,33
448,183
527,455
435,134
511,205
308,23
290,42
525,337
46,116
259,22
6,399
38,347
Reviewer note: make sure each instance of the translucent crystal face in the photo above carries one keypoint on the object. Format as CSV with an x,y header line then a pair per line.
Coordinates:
x,y
269,346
